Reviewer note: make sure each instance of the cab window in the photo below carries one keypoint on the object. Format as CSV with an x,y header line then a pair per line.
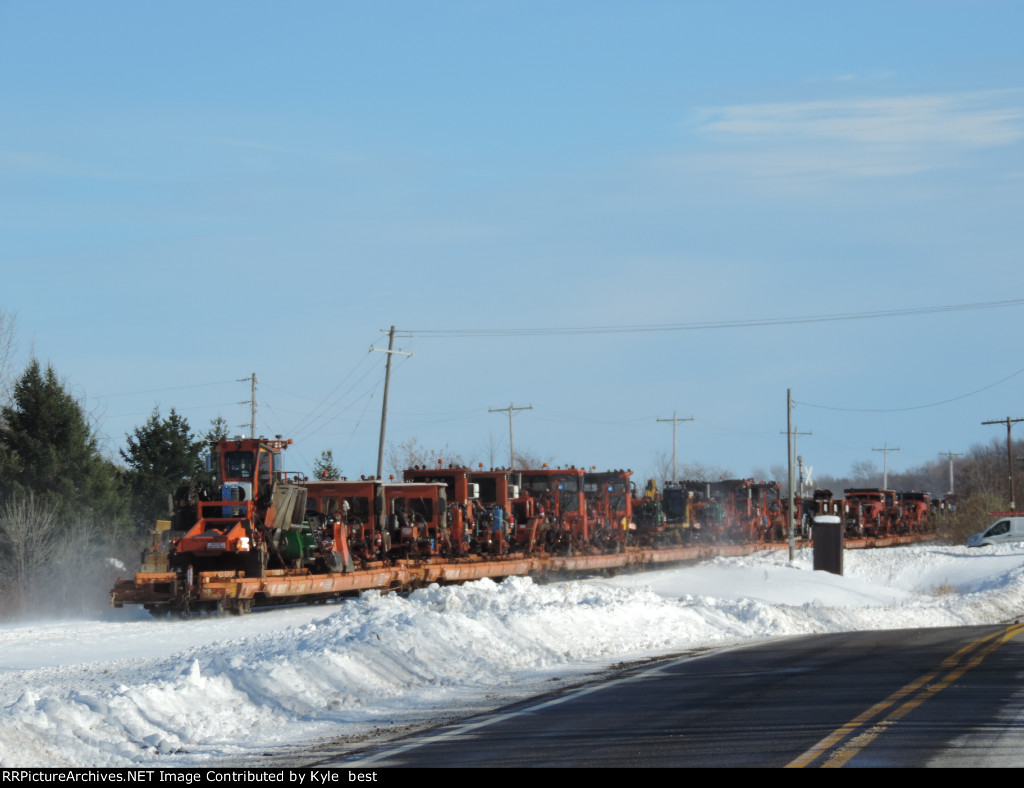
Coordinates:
x,y
238,464
264,469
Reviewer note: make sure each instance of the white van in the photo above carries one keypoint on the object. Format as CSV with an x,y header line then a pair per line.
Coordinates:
x,y
1004,531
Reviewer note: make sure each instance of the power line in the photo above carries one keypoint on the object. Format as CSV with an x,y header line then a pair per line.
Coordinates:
x,y
332,411
179,410
562,418
741,323
913,407
359,421
289,393
157,391
318,413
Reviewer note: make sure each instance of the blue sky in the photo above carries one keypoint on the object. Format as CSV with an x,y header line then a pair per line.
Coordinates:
x,y
193,192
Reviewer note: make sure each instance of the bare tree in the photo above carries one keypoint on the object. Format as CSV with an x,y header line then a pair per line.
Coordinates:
x,y
7,348
411,452
695,471
490,449
87,563
864,473
662,467
528,459
971,516
704,472
29,534
984,470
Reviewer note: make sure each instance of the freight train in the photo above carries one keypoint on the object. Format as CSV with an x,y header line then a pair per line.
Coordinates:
x,y
258,535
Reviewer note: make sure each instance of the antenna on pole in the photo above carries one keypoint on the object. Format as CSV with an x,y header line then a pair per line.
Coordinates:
x,y
384,408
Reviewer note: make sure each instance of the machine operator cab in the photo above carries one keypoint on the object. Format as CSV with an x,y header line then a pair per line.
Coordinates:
x,y
246,468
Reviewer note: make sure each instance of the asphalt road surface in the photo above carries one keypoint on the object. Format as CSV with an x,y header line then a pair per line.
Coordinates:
x,y
907,698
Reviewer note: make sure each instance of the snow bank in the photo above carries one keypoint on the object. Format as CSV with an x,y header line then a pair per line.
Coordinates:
x,y
143,693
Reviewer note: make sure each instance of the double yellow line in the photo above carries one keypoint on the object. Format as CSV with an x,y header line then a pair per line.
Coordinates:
x,y
858,733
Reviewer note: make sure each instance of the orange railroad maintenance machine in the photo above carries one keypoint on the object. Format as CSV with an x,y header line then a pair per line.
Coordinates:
x,y
256,535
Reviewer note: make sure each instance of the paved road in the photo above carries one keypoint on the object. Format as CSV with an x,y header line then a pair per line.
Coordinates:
x,y
904,698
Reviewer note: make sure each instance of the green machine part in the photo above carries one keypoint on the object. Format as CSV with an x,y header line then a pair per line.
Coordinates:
x,y
298,545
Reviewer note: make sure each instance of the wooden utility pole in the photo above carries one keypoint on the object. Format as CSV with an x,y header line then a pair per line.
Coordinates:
x,y
511,436
251,402
387,386
885,464
951,455
796,457
1009,453
252,409
675,422
789,462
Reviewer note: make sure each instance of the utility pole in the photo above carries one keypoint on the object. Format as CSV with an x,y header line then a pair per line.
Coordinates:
x,y
789,462
675,423
797,458
951,455
511,437
251,402
384,408
1009,453
885,464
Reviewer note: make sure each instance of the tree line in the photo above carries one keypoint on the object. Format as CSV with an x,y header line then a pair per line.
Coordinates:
x,y
980,485
71,519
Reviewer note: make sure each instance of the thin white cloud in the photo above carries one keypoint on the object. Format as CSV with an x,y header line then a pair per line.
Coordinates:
x,y
962,120
866,137
797,163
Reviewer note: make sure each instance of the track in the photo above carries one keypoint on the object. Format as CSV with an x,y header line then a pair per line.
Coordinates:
x,y
163,592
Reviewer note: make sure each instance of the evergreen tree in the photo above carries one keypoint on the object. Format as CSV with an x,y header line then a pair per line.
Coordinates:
x,y
48,448
162,456
324,468
218,430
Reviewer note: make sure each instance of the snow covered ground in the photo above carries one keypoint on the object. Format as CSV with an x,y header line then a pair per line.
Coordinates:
x,y
125,690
